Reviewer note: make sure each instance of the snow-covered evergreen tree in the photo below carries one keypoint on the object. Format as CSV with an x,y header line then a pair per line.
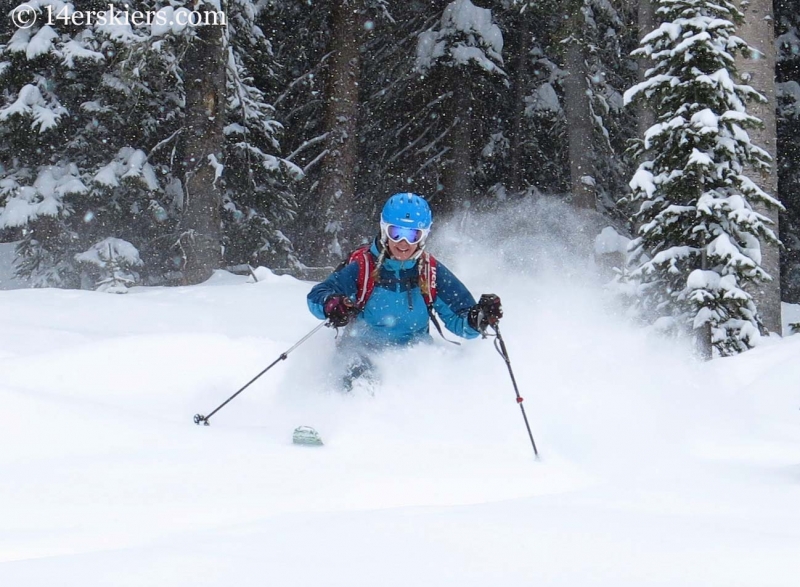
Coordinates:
x,y
311,56
698,240
595,37
76,109
399,121
610,38
91,119
258,197
460,67
111,265
514,139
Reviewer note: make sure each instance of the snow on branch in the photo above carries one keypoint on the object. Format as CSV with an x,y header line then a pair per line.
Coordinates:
x,y
43,198
466,34
130,164
31,103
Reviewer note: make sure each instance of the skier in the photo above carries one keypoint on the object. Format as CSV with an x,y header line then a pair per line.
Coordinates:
x,y
389,291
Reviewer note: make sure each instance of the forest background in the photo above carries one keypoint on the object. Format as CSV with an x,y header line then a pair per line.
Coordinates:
x,y
153,154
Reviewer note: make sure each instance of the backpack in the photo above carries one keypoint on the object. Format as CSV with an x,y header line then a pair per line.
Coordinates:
x,y
365,282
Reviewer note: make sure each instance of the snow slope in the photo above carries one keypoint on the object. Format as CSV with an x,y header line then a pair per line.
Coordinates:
x,y
656,470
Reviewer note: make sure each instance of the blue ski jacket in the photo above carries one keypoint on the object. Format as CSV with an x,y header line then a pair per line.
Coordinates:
x,y
395,313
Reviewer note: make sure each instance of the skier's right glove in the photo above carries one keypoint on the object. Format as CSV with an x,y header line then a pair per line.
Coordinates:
x,y
339,310
487,312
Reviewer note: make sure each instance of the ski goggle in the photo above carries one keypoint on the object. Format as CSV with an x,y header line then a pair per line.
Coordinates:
x,y
412,236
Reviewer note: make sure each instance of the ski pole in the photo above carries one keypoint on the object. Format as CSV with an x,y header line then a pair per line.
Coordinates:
x,y
204,419
500,345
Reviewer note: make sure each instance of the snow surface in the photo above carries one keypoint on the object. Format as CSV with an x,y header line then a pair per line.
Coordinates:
x,y
656,470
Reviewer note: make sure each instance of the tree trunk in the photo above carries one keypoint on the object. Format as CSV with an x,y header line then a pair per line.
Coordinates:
x,y
459,186
703,335
645,115
579,120
202,147
517,122
759,72
339,168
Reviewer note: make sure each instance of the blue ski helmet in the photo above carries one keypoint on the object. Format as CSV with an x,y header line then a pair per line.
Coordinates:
x,y
407,210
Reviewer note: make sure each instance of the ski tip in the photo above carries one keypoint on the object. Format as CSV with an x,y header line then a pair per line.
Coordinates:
x,y
306,436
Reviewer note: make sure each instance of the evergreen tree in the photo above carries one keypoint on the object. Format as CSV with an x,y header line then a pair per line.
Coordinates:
x,y
512,133
611,38
595,36
259,187
460,72
593,44
393,119
111,265
538,161
301,37
89,95
106,103
698,242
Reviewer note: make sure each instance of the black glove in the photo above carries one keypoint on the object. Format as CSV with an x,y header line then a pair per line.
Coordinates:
x,y
339,310
487,312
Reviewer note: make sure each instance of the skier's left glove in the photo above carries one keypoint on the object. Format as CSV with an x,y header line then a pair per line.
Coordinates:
x,y
487,312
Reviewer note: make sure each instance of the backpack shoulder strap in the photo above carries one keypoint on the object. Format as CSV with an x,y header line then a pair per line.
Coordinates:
x,y
428,289
427,278
365,282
